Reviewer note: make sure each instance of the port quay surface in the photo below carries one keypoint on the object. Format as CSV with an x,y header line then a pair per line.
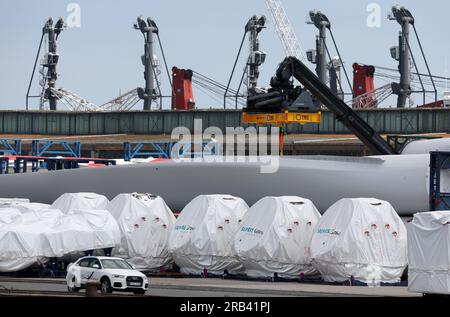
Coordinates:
x,y
208,287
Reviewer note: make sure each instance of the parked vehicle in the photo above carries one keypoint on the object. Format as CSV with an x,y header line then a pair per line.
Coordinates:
x,y
113,274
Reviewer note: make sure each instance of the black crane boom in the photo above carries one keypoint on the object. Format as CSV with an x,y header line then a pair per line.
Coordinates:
x,y
292,67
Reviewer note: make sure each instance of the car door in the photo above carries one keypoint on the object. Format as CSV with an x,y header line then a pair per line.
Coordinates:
x,y
95,269
84,270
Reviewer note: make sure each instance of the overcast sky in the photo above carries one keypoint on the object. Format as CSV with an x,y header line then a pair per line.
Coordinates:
x,y
102,56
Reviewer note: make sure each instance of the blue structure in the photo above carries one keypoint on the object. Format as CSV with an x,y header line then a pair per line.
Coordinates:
x,y
165,149
438,200
11,146
54,163
43,148
71,150
135,149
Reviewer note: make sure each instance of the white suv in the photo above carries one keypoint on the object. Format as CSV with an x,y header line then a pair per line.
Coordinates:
x,y
113,274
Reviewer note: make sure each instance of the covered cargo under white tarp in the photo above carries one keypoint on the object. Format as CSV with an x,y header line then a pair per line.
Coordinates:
x,y
25,237
18,264
429,253
12,200
18,241
31,207
274,237
98,227
145,222
24,206
73,201
203,235
361,239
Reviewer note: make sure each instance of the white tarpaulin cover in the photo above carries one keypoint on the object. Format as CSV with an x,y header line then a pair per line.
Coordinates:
x,y
203,235
274,237
429,253
16,253
360,238
73,201
24,206
26,236
145,222
11,200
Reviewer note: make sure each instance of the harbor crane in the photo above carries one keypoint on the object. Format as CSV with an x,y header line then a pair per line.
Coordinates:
x,y
321,53
403,54
53,95
258,112
254,26
48,65
149,94
283,95
152,91
291,45
73,102
255,59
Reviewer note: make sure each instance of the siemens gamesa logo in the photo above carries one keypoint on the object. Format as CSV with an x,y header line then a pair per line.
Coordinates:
x,y
252,230
184,228
328,231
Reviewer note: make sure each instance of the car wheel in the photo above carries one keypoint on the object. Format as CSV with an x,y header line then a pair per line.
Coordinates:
x,y
73,289
105,286
139,292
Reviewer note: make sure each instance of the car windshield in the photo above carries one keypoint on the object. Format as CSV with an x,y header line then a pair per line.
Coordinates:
x,y
116,264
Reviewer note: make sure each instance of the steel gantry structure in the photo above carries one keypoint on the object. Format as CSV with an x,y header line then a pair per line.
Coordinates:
x,y
285,31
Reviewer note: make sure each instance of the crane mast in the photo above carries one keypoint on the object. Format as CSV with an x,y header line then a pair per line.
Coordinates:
x,y
291,45
256,57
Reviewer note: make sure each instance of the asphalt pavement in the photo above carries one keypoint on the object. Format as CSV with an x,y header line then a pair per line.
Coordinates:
x,y
215,287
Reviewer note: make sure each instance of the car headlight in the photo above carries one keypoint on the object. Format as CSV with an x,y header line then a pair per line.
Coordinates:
x,y
119,276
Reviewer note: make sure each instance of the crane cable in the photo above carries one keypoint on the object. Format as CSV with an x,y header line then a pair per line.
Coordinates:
x,y
232,72
339,54
165,63
212,86
34,69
